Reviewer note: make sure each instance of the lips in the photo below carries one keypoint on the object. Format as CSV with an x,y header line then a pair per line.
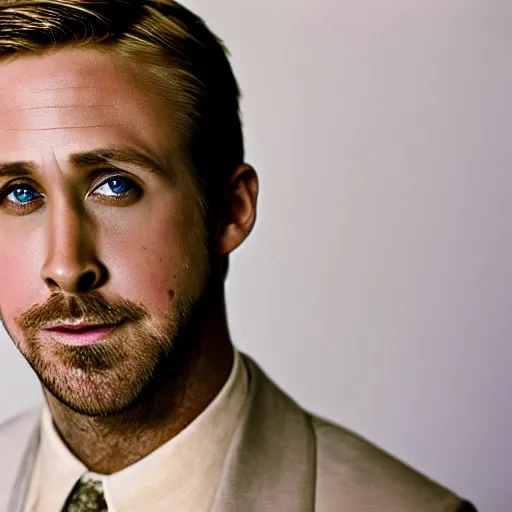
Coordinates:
x,y
80,334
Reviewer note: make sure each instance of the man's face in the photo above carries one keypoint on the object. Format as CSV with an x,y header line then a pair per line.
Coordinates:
x,y
100,227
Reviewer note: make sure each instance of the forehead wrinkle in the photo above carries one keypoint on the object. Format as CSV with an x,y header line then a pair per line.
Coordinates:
x,y
37,91
58,128
40,90
26,97
57,106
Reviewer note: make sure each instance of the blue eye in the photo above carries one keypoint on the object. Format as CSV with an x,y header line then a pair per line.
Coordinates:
x,y
115,187
23,195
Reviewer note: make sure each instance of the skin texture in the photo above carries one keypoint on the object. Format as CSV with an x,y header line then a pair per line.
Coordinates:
x,y
140,259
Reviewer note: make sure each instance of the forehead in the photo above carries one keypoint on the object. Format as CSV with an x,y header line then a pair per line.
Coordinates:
x,y
66,68
75,100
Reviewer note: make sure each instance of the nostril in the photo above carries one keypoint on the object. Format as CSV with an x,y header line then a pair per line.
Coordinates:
x,y
52,285
87,281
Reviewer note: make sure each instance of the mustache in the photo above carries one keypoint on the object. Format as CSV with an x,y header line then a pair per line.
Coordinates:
x,y
90,308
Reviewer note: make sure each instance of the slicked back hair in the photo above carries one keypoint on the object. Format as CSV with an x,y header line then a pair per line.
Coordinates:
x,y
181,54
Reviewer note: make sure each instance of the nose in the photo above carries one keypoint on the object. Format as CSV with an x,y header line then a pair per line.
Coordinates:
x,y
71,265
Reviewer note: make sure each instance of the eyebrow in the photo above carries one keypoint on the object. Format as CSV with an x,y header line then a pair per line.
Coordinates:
x,y
17,169
88,159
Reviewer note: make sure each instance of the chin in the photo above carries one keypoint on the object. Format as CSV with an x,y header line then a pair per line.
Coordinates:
x,y
95,394
102,379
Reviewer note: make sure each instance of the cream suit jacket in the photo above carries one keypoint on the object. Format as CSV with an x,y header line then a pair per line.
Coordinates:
x,y
281,459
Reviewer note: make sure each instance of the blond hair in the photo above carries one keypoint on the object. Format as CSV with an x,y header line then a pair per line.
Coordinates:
x,y
179,50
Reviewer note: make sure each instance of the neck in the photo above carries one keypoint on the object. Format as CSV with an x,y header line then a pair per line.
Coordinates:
x,y
108,444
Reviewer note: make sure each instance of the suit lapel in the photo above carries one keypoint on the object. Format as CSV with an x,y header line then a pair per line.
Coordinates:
x,y
23,477
19,441
271,463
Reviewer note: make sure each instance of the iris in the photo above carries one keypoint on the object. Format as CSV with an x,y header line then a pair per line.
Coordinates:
x,y
119,185
116,186
24,195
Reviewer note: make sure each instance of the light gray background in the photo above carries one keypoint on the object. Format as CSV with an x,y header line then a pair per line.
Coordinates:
x,y
377,286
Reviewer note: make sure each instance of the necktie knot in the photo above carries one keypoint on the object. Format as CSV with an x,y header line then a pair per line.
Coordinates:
x,y
86,496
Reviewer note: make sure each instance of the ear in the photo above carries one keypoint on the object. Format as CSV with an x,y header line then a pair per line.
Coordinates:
x,y
239,209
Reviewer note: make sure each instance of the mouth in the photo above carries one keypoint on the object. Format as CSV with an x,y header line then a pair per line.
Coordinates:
x,y
81,334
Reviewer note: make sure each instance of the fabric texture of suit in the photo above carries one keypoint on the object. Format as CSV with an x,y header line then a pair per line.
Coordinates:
x,y
281,459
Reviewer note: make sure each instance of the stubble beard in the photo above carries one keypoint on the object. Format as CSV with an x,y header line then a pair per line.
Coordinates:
x,y
115,374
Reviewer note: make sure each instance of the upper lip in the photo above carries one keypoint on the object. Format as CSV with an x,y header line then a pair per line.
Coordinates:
x,y
77,327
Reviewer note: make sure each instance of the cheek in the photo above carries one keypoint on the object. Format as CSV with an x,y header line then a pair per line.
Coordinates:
x,y
20,273
146,261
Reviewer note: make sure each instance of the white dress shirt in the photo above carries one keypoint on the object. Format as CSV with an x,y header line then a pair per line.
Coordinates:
x,y
182,475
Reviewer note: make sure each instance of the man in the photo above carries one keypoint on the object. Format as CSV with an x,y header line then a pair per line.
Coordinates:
x,y
123,191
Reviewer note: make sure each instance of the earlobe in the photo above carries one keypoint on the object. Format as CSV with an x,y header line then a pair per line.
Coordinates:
x,y
239,211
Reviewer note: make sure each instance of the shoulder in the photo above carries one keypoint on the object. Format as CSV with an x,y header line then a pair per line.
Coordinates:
x,y
352,470
16,432
340,470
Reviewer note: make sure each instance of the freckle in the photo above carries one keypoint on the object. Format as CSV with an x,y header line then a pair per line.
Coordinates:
x,y
145,248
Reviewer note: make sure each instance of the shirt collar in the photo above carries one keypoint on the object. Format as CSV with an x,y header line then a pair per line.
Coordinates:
x,y
185,470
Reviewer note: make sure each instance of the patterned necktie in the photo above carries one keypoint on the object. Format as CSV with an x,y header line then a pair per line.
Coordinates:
x,y
86,496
